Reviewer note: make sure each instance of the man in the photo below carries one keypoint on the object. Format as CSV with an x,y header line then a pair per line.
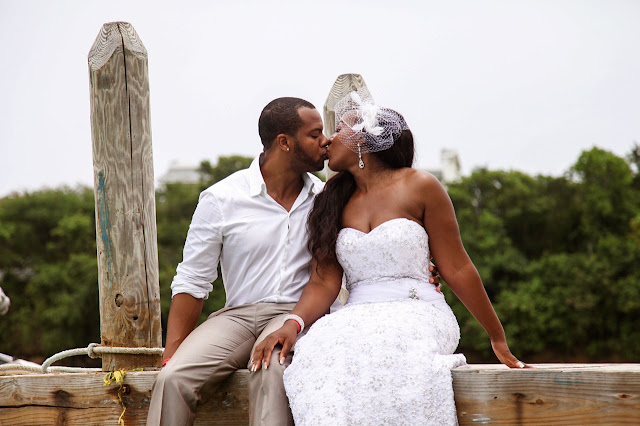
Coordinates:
x,y
254,224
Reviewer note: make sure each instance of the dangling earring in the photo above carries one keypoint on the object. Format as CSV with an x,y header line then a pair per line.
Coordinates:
x,y
360,162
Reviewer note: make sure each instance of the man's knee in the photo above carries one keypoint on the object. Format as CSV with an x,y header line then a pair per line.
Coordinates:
x,y
271,377
165,378
172,383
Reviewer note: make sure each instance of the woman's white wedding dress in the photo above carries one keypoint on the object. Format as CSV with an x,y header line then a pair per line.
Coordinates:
x,y
385,358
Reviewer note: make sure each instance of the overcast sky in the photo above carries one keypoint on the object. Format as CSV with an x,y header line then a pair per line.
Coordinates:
x,y
523,85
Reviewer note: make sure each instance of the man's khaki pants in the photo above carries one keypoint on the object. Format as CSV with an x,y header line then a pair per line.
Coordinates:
x,y
214,350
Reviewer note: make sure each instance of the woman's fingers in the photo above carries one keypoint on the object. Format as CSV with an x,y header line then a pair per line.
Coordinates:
x,y
286,347
513,362
262,353
256,357
516,363
267,353
506,357
261,356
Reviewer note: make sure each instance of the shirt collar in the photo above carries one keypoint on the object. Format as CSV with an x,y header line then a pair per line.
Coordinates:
x,y
256,181
312,184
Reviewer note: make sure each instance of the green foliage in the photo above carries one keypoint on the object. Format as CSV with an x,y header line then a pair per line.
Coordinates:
x,y
48,269
225,167
606,187
48,263
558,256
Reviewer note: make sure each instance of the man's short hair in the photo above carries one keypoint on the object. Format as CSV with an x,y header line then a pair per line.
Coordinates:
x,y
280,116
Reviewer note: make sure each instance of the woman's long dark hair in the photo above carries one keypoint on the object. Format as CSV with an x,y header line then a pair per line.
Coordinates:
x,y
325,219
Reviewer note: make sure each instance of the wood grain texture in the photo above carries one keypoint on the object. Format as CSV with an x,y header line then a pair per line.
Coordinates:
x,y
124,194
344,84
551,394
555,394
112,36
82,399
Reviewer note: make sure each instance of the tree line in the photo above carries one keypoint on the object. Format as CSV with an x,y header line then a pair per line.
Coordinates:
x,y
558,257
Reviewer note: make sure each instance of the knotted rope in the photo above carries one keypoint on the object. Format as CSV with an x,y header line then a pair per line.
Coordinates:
x,y
94,350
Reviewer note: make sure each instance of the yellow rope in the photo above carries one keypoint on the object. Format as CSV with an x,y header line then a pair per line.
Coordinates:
x,y
118,377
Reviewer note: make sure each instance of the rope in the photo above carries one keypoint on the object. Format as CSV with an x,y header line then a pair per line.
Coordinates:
x,y
38,368
94,350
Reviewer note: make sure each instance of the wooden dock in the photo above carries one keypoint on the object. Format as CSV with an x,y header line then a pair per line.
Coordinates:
x,y
551,394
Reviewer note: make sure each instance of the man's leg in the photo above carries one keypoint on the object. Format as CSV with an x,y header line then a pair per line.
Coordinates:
x,y
209,354
267,399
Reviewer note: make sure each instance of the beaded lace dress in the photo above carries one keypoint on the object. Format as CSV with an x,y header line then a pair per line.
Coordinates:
x,y
385,358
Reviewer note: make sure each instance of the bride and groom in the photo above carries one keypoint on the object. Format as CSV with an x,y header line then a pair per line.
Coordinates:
x,y
385,357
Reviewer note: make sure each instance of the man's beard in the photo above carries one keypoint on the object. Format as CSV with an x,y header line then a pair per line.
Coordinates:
x,y
305,161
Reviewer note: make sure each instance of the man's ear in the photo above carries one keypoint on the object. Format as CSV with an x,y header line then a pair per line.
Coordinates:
x,y
283,142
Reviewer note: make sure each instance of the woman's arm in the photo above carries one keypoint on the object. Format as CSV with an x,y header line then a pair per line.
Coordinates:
x,y
318,295
455,266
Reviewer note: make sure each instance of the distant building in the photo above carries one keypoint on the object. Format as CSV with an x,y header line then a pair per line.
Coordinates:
x,y
181,172
450,170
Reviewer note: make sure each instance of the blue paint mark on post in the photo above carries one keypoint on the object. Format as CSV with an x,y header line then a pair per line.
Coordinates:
x,y
103,219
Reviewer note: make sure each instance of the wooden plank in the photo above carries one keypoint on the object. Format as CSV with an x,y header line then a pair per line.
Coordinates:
x,y
560,394
125,196
551,394
82,398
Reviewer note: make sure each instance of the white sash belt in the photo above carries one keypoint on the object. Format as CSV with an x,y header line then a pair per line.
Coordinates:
x,y
395,289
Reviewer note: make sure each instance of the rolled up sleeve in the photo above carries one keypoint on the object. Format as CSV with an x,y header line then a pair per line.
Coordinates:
x,y
199,266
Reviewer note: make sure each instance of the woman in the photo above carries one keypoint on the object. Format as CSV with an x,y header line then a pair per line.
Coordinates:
x,y
385,358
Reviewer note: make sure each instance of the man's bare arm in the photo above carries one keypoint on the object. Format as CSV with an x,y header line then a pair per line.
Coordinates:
x,y
183,316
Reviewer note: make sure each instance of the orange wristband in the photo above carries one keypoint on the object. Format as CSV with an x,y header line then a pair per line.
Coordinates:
x,y
165,361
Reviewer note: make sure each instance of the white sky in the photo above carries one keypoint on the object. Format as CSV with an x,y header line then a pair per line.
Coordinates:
x,y
523,85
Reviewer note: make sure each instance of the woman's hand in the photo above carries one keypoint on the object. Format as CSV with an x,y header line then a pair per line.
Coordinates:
x,y
285,336
505,356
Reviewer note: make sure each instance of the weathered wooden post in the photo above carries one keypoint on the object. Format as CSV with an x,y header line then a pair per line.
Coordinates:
x,y
344,84
125,196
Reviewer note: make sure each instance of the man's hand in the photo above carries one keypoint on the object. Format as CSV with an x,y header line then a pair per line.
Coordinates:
x,y
285,336
435,277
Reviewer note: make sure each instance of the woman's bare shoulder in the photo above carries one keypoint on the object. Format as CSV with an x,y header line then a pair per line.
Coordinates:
x,y
420,180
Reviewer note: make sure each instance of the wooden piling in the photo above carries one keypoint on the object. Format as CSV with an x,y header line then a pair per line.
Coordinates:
x,y
125,196
344,84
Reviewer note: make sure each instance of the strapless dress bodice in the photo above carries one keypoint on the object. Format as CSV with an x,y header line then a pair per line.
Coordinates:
x,y
388,263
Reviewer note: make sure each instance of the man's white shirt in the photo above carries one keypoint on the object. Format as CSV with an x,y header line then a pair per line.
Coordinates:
x,y
261,247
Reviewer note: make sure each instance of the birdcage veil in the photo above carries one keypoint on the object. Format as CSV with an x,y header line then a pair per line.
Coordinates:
x,y
367,127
